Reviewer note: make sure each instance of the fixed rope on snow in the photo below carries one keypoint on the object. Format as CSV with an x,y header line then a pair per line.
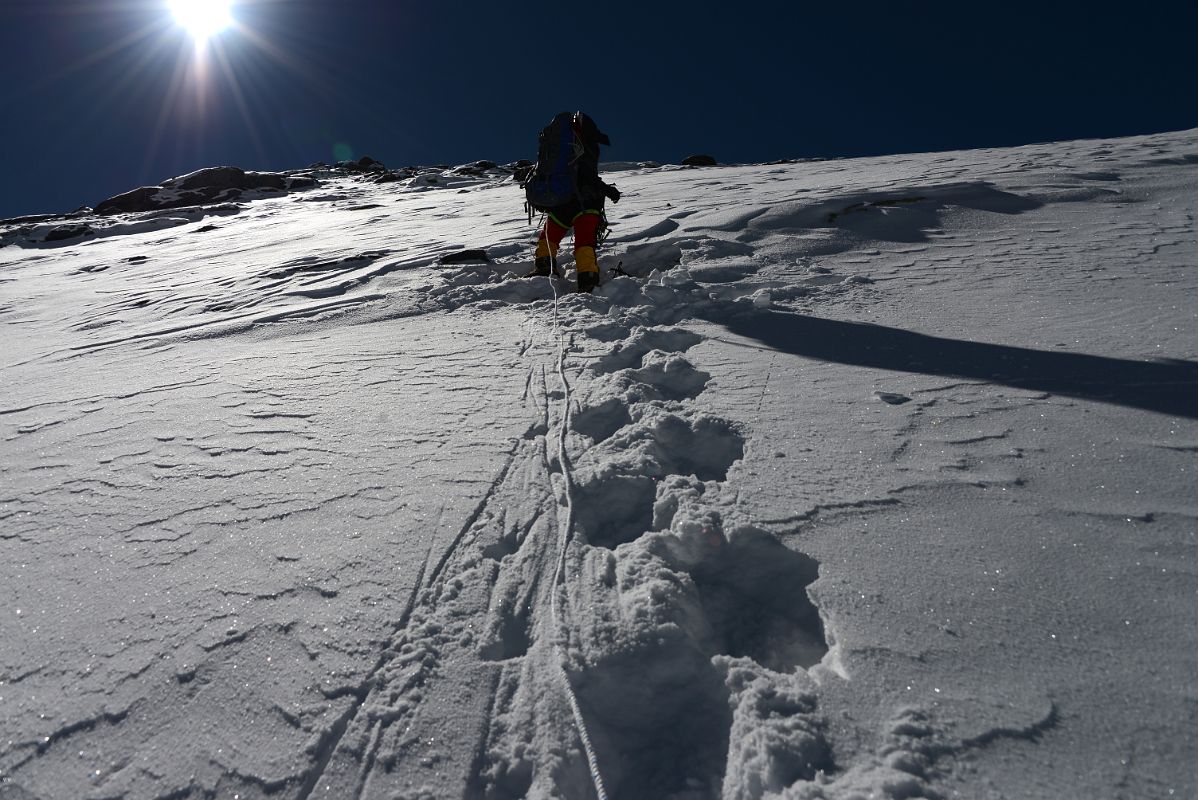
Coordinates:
x,y
560,570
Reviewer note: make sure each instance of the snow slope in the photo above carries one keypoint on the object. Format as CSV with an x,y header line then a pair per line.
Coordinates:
x,y
877,481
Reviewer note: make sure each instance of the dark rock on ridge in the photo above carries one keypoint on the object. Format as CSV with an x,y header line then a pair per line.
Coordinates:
x,y
363,164
465,257
226,178
61,233
211,185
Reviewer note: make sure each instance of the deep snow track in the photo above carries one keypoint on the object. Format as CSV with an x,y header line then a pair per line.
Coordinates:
x,y
545,678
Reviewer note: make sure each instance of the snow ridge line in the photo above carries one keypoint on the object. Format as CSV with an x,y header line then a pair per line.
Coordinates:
x,y
559,571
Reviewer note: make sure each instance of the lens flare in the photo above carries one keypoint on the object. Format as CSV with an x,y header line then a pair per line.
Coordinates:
x,y
202,18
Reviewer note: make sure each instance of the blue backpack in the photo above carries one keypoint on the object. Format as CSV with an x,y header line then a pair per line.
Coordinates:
x,y
553,182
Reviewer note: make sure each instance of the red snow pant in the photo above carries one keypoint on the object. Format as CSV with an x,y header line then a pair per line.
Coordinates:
x,y
586,229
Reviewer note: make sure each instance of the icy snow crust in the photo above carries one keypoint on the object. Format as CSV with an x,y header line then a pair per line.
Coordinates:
x,y
876,480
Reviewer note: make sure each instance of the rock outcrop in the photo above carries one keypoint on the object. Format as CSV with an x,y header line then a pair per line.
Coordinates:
x,y
202,187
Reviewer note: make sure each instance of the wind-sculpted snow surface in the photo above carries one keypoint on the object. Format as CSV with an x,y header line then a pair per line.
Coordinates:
x,y
865,479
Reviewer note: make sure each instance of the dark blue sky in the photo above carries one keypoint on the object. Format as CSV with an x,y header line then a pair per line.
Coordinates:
x,y
91,105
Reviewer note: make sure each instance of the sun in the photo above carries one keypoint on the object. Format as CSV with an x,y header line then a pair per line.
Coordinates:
x,y
202,18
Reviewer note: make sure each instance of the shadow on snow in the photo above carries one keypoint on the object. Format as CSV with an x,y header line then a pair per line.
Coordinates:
x,y
1168,387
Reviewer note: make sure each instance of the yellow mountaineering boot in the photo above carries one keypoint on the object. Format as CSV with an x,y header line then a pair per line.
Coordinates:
x,y
588,269
544,263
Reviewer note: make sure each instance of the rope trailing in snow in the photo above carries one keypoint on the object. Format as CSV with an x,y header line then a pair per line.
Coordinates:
x,y
559,572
